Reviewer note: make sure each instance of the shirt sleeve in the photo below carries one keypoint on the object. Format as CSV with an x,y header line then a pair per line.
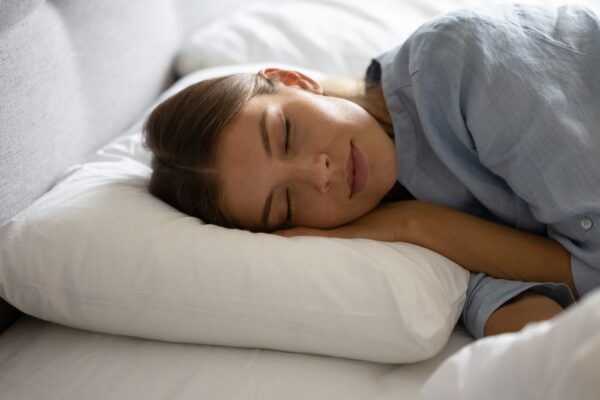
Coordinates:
x,y
486,294
519,87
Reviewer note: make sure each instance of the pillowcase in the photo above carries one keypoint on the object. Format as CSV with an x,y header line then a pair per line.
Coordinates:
x,y
552,360
98,252
334,36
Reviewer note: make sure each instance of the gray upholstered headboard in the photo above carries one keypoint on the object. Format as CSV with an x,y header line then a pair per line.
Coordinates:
x,y
74,74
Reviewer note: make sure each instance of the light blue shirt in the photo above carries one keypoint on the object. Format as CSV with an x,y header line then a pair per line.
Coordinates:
x,y
496,112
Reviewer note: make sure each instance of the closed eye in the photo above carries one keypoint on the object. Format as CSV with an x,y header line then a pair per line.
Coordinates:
x,y
288,219
287,135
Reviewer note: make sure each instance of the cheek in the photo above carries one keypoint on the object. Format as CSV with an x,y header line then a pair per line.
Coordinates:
x,y
324,213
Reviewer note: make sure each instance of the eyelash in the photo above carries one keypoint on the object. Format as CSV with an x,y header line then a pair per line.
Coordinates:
x,y
287,135
288,219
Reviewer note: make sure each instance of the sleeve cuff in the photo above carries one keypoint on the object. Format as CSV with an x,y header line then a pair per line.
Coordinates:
x,y
586,277
486,294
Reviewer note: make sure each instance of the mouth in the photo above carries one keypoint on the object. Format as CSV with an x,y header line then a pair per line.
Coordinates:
x,y
356,171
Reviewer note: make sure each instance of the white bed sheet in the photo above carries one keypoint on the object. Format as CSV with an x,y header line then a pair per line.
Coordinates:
x,y
42,360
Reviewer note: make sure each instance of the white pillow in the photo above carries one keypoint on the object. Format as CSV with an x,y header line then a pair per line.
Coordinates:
x,y
334,36
98,252
551,360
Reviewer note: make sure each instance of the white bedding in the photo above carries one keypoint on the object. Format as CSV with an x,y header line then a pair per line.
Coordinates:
x,y
555,359
40,360
549,360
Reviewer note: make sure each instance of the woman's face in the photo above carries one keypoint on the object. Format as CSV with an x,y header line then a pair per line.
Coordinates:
x,y
297,158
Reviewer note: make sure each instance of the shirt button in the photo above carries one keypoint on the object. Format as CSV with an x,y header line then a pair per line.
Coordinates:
x,y
586,223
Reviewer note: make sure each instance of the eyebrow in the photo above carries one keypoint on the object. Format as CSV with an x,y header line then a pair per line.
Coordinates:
x,y
265,141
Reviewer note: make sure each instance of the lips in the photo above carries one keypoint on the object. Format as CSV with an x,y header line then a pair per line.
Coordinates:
x,y
356,171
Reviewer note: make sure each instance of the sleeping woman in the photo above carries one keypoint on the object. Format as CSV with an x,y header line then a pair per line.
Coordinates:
x,y
478,138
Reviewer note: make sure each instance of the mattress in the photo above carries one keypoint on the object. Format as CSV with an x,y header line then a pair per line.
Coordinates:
x,y
41,360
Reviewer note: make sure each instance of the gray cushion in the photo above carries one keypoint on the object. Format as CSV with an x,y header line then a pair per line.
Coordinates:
x,y
74,74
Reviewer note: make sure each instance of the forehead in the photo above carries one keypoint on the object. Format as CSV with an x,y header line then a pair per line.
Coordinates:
x,y
240,160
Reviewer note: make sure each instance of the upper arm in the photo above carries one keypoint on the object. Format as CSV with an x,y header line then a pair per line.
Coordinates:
x,y
499,76
516,89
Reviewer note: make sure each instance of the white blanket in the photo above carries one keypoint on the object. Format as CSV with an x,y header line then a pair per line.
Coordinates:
x,y
551,360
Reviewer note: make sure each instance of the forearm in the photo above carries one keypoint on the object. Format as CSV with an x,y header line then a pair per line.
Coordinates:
x,y
497,250
518,312
475,244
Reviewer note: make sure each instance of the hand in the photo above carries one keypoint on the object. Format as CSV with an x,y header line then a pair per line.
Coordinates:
x,y
391,222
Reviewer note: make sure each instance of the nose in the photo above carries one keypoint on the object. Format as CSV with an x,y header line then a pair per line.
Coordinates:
x,y
313,172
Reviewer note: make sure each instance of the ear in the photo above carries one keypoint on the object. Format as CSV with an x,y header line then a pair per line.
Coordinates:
x,y
292,79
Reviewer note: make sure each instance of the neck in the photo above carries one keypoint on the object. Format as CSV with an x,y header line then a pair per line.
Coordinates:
x,y
374,103
368,96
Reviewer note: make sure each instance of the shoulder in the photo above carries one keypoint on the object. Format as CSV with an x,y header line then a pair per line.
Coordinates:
x,y
448,40
494,31
473,22
464,35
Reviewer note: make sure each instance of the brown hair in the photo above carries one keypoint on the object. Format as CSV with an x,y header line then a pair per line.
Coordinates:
x,y
183,134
